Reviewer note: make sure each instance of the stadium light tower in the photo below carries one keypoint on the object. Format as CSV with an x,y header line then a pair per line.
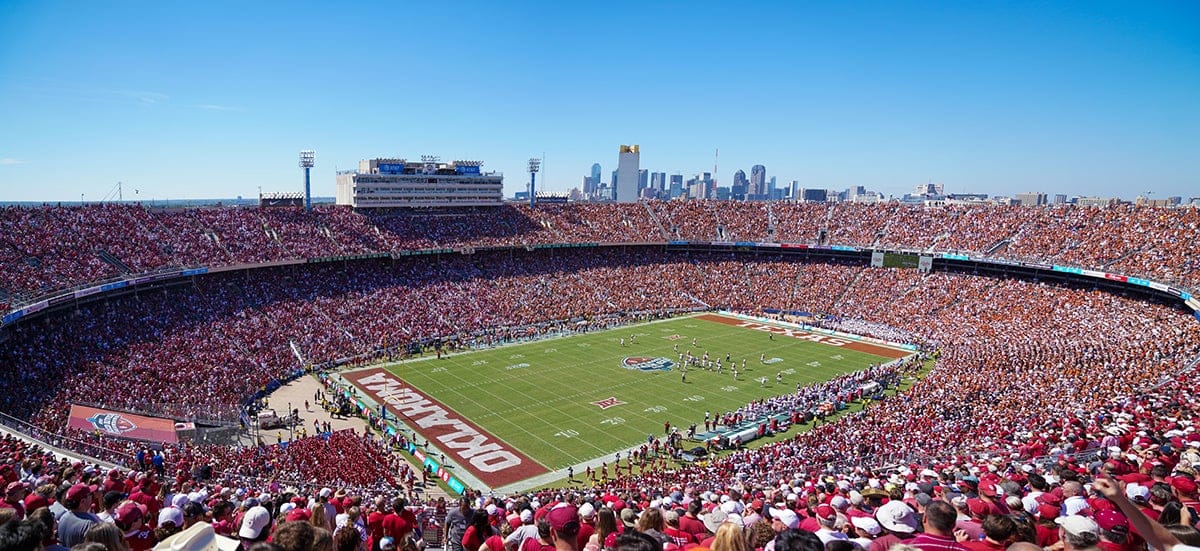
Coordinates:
x,y
307,158
534,165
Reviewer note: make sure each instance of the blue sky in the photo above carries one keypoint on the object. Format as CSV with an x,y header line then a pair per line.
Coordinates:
x,y
214,99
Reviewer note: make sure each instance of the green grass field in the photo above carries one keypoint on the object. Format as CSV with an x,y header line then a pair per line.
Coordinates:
x,y
538,397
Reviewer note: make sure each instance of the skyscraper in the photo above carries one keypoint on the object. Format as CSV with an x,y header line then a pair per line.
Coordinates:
x,y
740,186
627,174
658,180
758,182
596,175
675,188
643,180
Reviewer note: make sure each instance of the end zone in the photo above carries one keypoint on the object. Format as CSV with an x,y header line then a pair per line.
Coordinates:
x,y
831,340
492,461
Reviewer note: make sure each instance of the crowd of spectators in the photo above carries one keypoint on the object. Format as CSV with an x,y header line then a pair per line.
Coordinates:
x,y
211,345
48,248
1030,378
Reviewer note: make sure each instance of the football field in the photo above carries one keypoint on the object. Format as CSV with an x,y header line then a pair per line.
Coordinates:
x,y
563,401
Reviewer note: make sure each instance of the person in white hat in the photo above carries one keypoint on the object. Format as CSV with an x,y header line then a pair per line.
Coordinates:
x,y
1078,533
200,537
254,525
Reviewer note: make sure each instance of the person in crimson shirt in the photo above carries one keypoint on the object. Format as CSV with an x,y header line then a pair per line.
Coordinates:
x,y
146,496
39,497
130,518
678,537
1114,532
400,522
1186,491
997,531
690,522
1047,529
114,483
939,529
478,531
14,498
375,523
587,524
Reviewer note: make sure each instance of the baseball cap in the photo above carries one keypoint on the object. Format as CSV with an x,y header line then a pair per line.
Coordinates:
x,y
1137,492
129,512
987,488
587,510
387,543
253,523
825,512
78,492
895,516
977,507
866,524
563,518
1111,520
526,516
1184,485
1047,512
16,486
787,516
1077,525
171,514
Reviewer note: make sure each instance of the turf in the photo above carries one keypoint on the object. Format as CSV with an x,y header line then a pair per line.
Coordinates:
x,y
538,396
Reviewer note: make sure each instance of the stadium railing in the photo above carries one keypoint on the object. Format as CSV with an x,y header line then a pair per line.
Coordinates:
x,y
63,445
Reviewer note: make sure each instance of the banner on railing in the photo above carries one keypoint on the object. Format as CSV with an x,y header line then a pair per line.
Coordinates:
x,y
122,425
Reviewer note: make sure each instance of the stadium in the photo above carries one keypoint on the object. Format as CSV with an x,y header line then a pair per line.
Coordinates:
x,y
1057,341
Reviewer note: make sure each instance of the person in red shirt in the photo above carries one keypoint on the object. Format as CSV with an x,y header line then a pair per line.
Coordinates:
x,y
1047,529
1185,490
400,522
587,524
1114,531
478,531
678,537
114,483
997,531
146,496
130,517
690,522
14,498
939,527
375,522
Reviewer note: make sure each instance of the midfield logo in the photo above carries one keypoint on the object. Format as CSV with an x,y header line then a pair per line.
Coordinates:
x,y
642,363
608,402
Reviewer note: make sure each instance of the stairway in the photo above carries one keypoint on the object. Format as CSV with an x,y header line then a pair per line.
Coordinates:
x,y
113,261
657,222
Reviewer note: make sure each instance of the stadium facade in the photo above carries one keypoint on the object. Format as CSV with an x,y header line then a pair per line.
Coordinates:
x,y
391,183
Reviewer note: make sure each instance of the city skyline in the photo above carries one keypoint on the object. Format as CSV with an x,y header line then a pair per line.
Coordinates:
x,y
216,99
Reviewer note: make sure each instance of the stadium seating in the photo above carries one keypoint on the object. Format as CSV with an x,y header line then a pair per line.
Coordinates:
x,y
1026,369
48,248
